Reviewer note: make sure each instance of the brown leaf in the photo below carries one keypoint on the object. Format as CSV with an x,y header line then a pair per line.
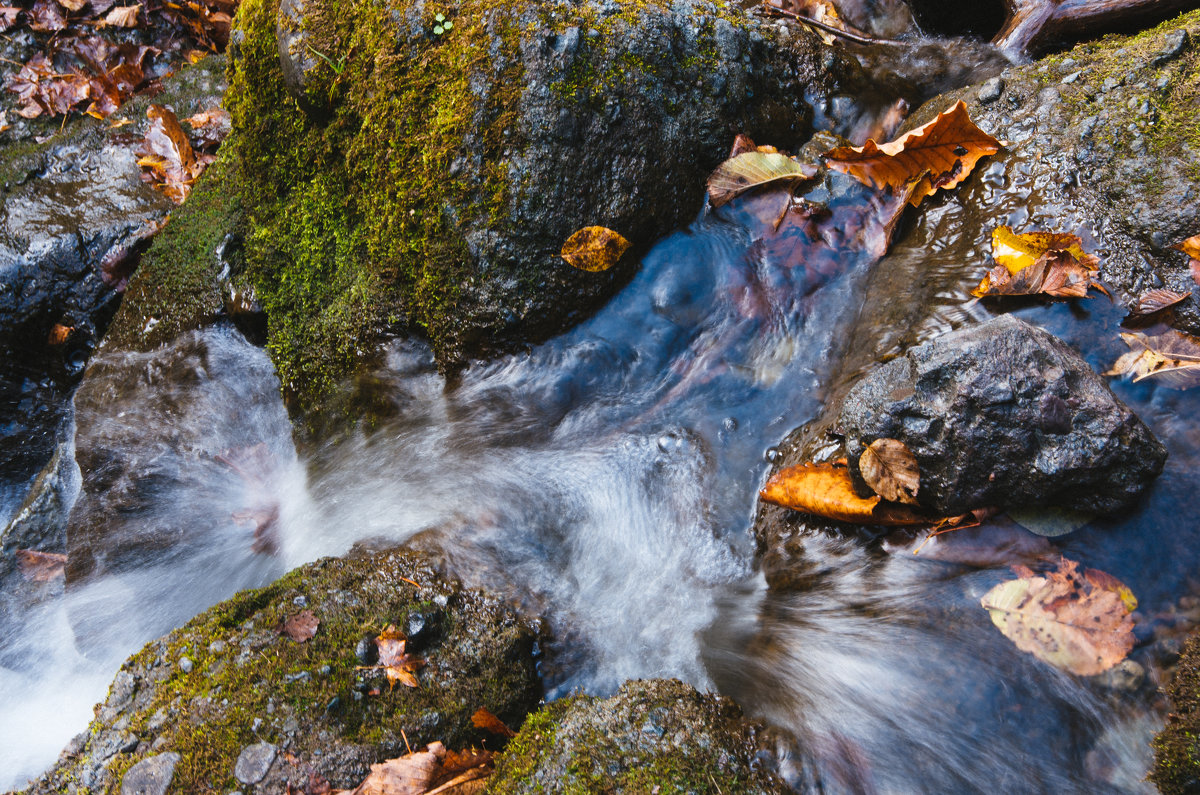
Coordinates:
x,y
123,16
301,627
1170,357
1153,301
59,334
8,17
594,248
209,127
41,566
46,17
397,664
827,490
411,774
1018,251
1077,623
1057,274
940,154
891,470
73,5
489,722
168,155
755,169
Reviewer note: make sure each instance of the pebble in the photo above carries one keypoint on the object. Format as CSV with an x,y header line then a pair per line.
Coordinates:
x,y
253,762
185,664
300,601
300,676
991,90
365,651
1071,78
1176,43
217,647
325,670
151,776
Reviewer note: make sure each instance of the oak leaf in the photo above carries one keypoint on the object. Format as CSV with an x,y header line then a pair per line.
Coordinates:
x,y
594,248
827,490
301,627
940,154
891,470
1170,357
754,169
1079,623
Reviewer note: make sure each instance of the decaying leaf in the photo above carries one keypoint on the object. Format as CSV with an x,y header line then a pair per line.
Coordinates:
x,y
167,154
394,659
1154,301
1018,251
483,719
123,16
754,169
209,127
1079,623
1057,275
8,17
594,248
1170,357
59,334
827,490
891,470
434,771
41,566
301,627
940,154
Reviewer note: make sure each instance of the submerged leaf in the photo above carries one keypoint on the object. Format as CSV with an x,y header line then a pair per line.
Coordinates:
x,y
940,154
594,248
1153,301
41,566
891,470
1170,357
754,169
827,490
1077,623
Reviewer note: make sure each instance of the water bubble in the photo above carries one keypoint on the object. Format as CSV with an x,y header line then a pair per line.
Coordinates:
x,y
772,455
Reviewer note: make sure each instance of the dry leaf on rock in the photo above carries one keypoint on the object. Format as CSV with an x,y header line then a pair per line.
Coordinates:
x,y
301,627
434,771
1170,357
73,5
891,470
594,248
1079,623
1154,301
827,490
483,719
754,169
940,154
1191,247
394,659
209,127
41,566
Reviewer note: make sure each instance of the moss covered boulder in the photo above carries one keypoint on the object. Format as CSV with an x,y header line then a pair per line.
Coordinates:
x,y
245,707
658,735
1177,747
417,166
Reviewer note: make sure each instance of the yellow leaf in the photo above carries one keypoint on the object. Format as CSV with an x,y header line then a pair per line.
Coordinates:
x,y
940,154
1171,357
751,170
594,248
1017,252
891,470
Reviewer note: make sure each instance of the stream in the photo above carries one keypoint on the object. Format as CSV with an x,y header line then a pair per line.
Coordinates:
x,y
606,481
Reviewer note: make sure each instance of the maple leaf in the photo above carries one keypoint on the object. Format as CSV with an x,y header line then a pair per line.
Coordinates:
x,y
397,664
594,248
940,154
1079,623
754,169
891,470
41,566
301,627
827,490
1170,357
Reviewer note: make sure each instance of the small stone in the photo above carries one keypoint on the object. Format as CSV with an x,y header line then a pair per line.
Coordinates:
x,y
1110,83
300,601
1175,43
325,670
991,90
1071,78
253,762
217,647
299,676
366,652
151,776
185,664
1126,676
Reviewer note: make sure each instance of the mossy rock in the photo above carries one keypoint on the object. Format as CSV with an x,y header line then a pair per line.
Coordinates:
x,y
1177,747
246,683
396,179
654,736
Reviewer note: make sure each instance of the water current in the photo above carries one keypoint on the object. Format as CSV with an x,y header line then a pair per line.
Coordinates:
x,y
607,481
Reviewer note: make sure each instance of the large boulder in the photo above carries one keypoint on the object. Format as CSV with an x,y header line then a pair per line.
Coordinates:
x,y
399,173
1004,414
657,735
1177,748
229,702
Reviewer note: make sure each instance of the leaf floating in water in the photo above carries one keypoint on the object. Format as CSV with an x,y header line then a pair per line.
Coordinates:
x,y
1154,301
41,566
891,470
754,169
827,490
594,248
940,154
1077,623
1170,357
301,627
1039,263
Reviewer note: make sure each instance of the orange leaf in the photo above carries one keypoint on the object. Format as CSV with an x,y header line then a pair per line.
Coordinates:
x,y
489,722
827,490
1191,247
59,334
940,154
594,248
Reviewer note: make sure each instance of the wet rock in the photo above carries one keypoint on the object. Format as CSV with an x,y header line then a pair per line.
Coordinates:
x,y
232,714
654,735
992,90
151,776
253,762
1176,748
40,522
1004,414
580,113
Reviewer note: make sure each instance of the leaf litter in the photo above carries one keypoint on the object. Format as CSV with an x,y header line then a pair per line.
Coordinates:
x,y
1051,264
432,771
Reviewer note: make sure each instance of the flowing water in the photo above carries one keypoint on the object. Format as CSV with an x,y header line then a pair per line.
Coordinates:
x,y
606,481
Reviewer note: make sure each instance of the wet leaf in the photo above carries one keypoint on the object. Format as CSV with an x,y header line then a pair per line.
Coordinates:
x,y
940,154
209,127
755,169
827,490
168,155
1019,251
996,544
594,248
891,470
1170,357
396,662
46,17
1077,623
59,334
123,17
1191,247
1057,275
8,17
488,722
41,566
1153,301
301,627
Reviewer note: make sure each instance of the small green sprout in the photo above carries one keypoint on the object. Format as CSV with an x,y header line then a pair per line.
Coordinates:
x,y
441,25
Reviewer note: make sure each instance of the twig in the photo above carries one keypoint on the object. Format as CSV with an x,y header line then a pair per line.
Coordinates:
x,y
830,29
471,775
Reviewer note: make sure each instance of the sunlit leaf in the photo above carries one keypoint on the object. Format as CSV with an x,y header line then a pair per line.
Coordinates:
x,y
123,16
1019,251
167,153
73,5
754,169
940,154
891,470
594,248
1191,247
1153,301
1170,357
1058,275
827,490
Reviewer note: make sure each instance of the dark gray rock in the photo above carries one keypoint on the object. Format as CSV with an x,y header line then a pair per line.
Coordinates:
x,y
254,762
992,90
151,776
1004,414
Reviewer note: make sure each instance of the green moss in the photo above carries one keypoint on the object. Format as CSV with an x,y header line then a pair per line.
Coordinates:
x,y
1177,747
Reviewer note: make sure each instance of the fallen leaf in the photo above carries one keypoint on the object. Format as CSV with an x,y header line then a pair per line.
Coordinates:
x,y
594,248
1154,301
1057,274
754,169
41,566
1018,251
168,155
1077,623
411,774
209,127
996,544
1170,357
891,470
73,5
488,722
827,490
1191,247
743,143
123,16
1050,522
396,662
940,154
301,627
59,334
8,17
